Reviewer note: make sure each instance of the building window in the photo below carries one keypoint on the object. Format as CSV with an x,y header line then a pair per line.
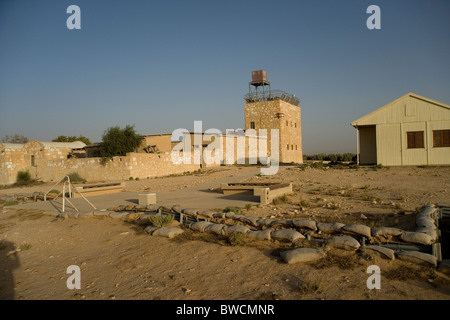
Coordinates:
x,y
32,161
441,138
415,139
292,147
296,147
287,146
252,125
287,123
295,125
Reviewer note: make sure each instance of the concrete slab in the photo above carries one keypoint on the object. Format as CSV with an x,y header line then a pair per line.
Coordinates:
x,y
201,197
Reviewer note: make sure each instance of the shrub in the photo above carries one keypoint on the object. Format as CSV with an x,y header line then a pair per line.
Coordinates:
x,y
159,220
23,176
236,210
237,238
280,200
76,178
248,206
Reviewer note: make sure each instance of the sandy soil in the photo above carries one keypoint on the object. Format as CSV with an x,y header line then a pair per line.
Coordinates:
x,y
119,261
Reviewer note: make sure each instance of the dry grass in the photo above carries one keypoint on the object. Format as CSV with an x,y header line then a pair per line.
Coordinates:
x,y
343,261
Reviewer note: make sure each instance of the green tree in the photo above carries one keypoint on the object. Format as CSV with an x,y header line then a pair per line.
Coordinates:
x,y
119,142
72,139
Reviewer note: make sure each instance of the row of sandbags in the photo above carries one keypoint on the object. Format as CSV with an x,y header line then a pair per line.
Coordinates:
x,y
303,255
425,234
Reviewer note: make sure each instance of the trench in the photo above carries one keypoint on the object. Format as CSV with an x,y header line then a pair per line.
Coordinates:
x,y
444,227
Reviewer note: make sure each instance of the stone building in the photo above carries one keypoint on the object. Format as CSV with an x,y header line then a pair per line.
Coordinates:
x,y
275,109
264,110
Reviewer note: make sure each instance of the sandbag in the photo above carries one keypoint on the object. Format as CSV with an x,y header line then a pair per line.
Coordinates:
x,y
305,223
190,212
429,231
168,232
386,231
152,207
427,222
301,255
286,235
416,237
417,257
177,209
284,223
231,215
260,235
200,225
150,229
206,214
330,227
382,251
264,222
119,215
357,229
251,221
219,215
343,242
216,228
236,228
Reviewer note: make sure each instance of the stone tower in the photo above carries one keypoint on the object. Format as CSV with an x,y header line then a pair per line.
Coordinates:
x,y
274,109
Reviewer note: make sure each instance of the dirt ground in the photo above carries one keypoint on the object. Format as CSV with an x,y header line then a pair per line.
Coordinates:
x,y
119,261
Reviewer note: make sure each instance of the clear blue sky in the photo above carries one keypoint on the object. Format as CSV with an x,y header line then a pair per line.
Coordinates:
x,y
160,65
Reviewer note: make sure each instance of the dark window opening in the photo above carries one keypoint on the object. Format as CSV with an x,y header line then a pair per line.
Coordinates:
x,y
441,138
252,125
415,139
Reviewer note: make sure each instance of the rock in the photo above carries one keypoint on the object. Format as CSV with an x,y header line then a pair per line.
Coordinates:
x,y
382,251
386,231
305,223
416,237
286,235
357,229
332,227
343,242
168,232
200,225
301,255
236,228
262,235
417,257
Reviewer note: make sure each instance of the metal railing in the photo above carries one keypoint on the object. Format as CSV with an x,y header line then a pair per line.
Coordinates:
x,y
272,95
